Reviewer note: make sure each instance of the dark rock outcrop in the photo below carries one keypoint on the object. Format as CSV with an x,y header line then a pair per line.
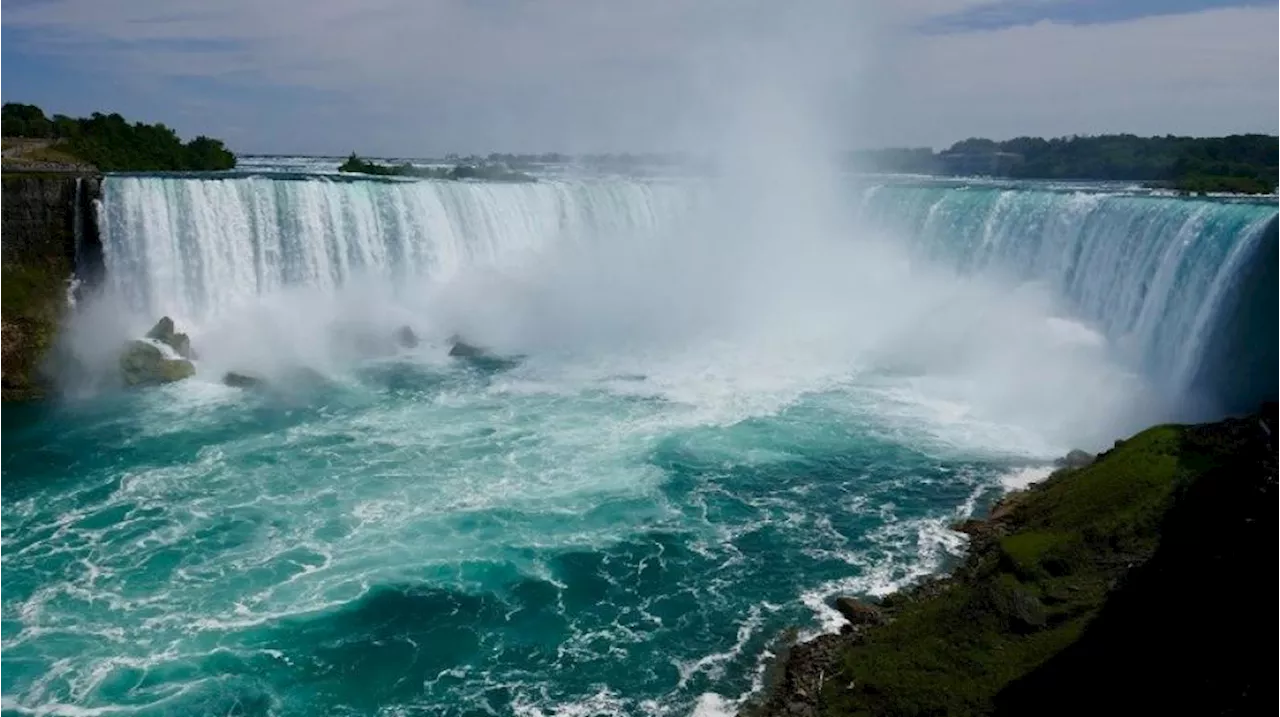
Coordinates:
x,y
858,612
406,338
48,234
1075,459
462,349
166,333
799,677
144,364
242,380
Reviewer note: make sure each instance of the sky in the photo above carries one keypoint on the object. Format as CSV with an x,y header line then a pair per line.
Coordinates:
x,y
426,77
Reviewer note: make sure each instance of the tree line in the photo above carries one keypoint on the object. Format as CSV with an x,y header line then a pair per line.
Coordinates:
x,y
112,144
1240,163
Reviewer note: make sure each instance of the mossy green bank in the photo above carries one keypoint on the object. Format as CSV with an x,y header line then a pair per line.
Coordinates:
x,y
1086,594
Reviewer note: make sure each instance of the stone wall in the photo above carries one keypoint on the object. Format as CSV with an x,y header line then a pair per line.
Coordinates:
x,y
48,233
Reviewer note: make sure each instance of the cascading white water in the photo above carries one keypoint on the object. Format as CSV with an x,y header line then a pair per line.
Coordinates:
x,y
1152,272
197,247
1149,272
726,410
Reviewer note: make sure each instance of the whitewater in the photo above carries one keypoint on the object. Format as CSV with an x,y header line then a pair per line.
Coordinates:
x,y
711,408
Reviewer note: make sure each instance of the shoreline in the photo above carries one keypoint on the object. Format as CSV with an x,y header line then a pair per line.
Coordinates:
x,y
1040,579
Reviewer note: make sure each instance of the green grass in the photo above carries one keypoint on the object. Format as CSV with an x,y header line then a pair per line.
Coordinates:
x,y
1022,599
58,154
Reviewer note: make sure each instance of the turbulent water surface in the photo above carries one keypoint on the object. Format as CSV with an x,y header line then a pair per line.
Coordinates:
x,y
707,411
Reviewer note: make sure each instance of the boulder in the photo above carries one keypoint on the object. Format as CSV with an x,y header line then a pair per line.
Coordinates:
x,y
166,333
406,338
462,349
241,380
1075,459
144,364
858,612
980,532
1026,613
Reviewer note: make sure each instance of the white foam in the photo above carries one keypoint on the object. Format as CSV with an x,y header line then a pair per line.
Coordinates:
x,y
713,665
711,704
1022,478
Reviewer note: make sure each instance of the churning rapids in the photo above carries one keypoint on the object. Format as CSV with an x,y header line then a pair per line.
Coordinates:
x,y
723,407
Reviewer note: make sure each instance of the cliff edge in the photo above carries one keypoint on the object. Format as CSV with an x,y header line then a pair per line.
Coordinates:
x,y
1139,584
47,235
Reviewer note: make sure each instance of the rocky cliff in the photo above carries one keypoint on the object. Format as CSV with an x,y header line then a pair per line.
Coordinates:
x,y
48,234
1136,584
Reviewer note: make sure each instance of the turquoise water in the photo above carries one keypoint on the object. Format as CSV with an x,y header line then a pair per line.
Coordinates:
x,y
704,428
384,545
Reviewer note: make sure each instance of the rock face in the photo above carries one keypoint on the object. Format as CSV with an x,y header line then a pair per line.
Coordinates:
x,y
241,380
406,338
1075,459
858,612
143,364
165,332
42,217
462,349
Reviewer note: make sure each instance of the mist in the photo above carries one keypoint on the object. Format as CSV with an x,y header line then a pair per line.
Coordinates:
x,y
759,279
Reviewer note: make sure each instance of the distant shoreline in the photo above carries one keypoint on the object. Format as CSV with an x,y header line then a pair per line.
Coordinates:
x,y
1244,164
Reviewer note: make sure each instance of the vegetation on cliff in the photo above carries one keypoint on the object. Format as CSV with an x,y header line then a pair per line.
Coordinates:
x,y
34,299
1238,163
1088,594
493,172
112,144
42,218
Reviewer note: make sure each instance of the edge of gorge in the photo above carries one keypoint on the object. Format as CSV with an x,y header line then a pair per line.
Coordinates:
x,y
1139,584
49,236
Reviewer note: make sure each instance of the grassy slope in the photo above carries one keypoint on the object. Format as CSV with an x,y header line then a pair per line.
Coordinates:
x,y
1017,630
41,154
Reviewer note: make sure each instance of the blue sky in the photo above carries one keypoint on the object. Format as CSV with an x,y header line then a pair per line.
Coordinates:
x,y
413,77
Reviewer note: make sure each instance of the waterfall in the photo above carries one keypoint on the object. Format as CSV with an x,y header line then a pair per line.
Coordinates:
x,y
194,247
1157,274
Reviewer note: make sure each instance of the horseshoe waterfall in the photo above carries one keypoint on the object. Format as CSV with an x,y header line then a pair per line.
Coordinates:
x,y
696,410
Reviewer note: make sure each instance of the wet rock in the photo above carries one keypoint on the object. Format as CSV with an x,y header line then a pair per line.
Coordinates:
x,y
462,349
242,380
406,338
144,364
1075,459
858,612
1005,507
980,532
798,679
166,333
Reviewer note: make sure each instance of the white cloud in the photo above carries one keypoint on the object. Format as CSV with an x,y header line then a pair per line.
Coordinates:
x,y
419,76
1211,72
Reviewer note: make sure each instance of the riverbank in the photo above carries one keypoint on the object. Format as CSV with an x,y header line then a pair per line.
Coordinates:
x,y
1095,592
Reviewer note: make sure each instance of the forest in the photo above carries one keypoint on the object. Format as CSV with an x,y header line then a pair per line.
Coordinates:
x,y
113,144
1243,163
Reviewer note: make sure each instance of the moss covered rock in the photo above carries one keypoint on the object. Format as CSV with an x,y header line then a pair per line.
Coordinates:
x,y
144,364
33,305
